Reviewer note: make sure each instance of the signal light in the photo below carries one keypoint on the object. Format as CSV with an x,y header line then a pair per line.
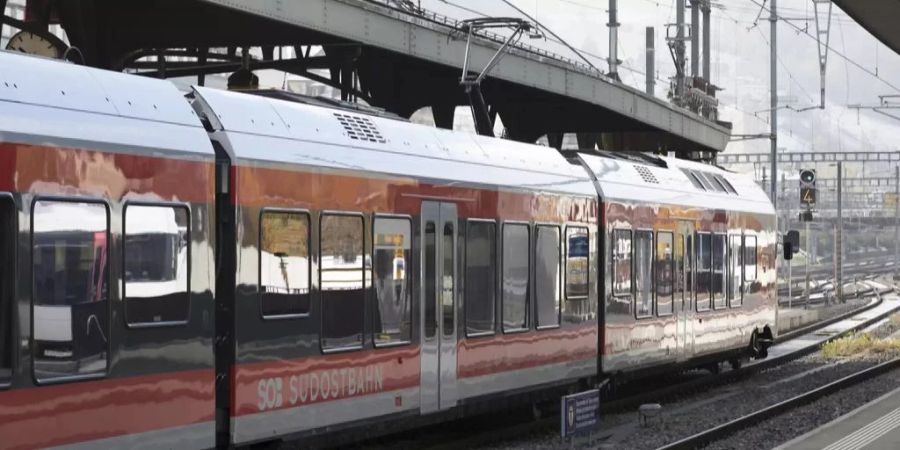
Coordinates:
x,y
808,177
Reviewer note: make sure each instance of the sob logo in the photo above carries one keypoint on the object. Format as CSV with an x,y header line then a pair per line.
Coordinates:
x,y
309,387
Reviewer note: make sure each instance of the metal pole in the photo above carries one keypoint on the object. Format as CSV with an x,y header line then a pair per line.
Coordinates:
x,y
773,94
695,38
839,239
896,217
679,52
613,39
808,253
706,41
651,61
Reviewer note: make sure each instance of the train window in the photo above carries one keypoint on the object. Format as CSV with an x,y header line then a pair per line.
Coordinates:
x,y
7,283
703,273
341,267
749,261
481,282
621,261
643,273
515,277
156,265
391,255
70,289
546,275
665,273
448,284
429,281
718,273
578,250
284,264
735,295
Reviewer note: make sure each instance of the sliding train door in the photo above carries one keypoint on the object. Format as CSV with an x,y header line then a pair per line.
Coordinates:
x,y
438,309
684,292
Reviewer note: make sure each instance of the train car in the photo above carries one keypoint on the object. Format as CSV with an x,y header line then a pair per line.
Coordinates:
x,y
216,268
387,271
106,278
689,264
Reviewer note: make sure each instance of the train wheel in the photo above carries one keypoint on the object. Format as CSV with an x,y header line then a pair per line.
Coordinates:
x,y
735,363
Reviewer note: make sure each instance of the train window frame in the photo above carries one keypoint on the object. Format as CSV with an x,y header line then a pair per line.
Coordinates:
x,y
723,291
672,235
587,275
171,323
31,242
409,285
735,294
698,270
559,277
613,241
634,266
321,292
309,256
8,287
529,294
494,266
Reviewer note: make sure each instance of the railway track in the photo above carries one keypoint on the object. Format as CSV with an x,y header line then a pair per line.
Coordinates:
x,y
746,421
479,433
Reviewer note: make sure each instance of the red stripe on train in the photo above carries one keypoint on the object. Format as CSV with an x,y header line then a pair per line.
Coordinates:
x,y
507,352
313,189
67,171
89,410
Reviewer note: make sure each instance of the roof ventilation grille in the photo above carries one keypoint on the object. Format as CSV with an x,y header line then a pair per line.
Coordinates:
x,y
360,128
646,174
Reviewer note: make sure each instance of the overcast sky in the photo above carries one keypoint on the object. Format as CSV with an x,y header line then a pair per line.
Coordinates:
x,y
739,64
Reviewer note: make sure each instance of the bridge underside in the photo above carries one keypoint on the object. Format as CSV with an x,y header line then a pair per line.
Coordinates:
x,y
122,35
879,17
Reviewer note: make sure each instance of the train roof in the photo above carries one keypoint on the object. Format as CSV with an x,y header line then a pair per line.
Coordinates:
x,y
676,182
269,130
44,100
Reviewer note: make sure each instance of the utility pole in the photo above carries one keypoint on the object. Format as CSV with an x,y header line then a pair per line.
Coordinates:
x,y
896,217
613,39
679,52
839,238
695,38
651,61
773,94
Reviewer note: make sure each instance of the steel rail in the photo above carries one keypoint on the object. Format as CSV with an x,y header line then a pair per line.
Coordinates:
x,y
726,429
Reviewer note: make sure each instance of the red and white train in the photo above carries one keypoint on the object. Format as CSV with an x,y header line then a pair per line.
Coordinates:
x,y
221,268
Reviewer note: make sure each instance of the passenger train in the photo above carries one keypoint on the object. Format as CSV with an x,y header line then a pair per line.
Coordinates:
x,y
217,268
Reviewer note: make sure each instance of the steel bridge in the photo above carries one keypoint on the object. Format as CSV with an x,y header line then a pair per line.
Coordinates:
x,y
390,54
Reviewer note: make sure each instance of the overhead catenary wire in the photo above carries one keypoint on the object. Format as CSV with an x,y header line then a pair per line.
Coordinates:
x,y
573,49
840,54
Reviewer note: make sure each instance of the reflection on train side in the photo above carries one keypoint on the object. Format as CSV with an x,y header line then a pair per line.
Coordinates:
x,y
156,261
70,288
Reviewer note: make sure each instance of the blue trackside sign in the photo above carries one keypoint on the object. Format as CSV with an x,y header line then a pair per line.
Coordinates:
x,y
579,413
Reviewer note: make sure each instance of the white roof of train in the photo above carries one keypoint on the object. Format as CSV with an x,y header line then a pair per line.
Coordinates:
x,y
626,180
262,129
42,100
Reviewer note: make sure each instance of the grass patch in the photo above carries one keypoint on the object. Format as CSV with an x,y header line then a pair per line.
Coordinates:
x,y
860,345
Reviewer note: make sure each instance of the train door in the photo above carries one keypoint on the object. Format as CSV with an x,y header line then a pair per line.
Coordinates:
x,y
438,311
684,261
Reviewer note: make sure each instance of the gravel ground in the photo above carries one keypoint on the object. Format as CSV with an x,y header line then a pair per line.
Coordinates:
x,y
776,431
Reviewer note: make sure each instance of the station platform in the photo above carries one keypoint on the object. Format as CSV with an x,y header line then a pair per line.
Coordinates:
x,y
873,426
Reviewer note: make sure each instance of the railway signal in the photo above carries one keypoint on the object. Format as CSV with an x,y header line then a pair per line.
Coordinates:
x,y
808,187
